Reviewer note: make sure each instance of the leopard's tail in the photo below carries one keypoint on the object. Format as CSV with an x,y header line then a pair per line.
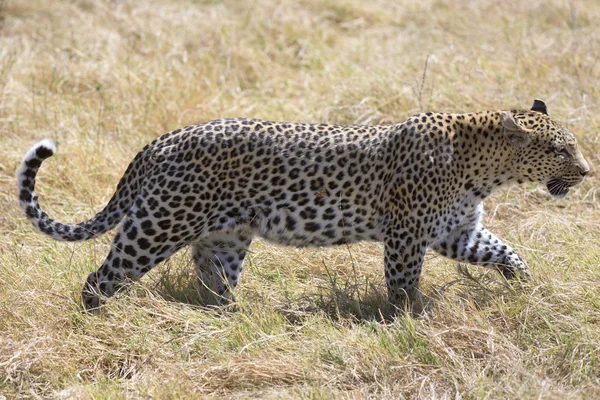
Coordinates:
x,y
118,206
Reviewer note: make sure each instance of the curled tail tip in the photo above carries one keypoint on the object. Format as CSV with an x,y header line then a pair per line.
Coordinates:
x,y
34,157
26,174
45,148
42,150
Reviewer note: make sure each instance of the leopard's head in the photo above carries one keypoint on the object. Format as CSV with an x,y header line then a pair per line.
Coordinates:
x,y
543,150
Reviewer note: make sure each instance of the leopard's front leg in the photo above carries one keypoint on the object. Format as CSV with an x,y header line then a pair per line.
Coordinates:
x,y
474,244
403,261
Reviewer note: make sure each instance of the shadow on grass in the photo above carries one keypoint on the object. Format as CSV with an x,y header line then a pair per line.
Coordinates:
x,y
342,297
339,296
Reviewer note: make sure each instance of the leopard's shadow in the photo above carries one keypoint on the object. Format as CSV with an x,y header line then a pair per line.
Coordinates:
x,y
340,298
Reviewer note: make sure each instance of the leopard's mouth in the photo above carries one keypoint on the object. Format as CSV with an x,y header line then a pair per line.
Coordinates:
x,y
557,187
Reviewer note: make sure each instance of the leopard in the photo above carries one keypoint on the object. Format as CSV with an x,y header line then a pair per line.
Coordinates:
x,y
413,186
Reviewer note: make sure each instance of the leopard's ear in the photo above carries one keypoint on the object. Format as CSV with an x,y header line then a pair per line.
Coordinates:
x,y
517,135
539,106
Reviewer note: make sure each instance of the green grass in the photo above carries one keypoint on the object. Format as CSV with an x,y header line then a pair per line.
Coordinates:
x,y
103,78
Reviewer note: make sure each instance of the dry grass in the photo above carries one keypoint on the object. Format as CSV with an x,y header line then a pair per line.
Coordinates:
x,y
102,78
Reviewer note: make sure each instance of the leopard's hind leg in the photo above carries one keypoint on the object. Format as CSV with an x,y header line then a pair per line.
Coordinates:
x,y
219,259
142,241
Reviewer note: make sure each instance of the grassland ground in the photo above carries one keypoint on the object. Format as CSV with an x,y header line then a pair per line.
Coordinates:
x,y
103,78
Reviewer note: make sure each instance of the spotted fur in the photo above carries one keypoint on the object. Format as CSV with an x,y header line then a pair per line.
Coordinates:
x,y
415,185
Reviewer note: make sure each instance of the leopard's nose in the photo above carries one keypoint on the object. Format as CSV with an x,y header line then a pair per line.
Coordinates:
x,y
584,171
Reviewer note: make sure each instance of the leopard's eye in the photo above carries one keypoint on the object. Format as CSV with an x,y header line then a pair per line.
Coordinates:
x,y
562,151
